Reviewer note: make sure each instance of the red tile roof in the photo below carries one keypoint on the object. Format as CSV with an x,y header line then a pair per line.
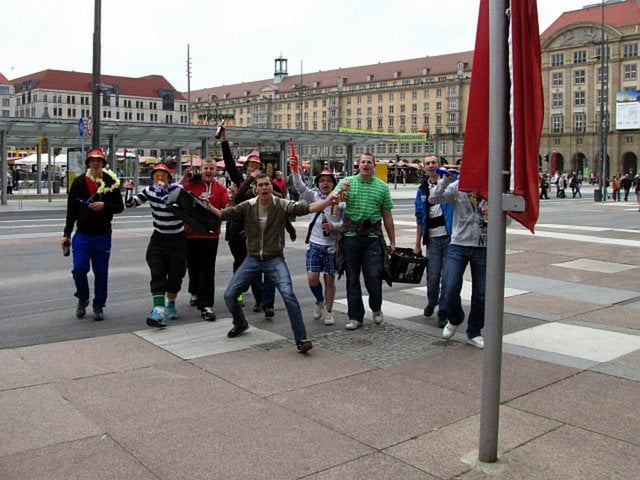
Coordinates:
x,y
147,86
407,69
616,14
3,80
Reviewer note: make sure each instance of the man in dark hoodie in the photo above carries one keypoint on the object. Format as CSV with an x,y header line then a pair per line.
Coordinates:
x,y
94,197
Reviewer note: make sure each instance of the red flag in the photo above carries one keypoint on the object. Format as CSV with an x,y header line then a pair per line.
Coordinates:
x,y
528,110
474,172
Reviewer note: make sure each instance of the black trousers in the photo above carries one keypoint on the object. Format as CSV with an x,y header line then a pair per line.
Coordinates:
x,y
167,260
201,265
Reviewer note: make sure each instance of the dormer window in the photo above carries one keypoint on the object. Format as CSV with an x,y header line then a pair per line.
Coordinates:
x,y
396,74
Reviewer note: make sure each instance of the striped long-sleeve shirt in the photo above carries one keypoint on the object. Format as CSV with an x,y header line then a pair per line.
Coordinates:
x,y
163,220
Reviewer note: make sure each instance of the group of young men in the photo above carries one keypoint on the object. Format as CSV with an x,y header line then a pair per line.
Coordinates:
x,y
346,233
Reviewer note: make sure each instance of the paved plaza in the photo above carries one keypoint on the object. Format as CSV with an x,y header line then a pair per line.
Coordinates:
x,y
393,401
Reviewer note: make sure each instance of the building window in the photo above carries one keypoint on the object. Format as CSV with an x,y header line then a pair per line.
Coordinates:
x,y
579,122
628,140
579,77
606,96
557,59
603,74
630,71
579,98
557,100
556,123
607,52
630,50
557,79
580,57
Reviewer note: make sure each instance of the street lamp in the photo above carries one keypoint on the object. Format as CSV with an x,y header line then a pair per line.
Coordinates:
x,y
603,111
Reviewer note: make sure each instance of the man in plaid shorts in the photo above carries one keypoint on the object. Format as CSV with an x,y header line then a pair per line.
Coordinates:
x,y
321,237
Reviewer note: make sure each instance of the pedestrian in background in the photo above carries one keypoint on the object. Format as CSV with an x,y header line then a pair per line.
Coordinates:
x,y
468,247
264,219
94,197
544,186
167,249
368,207
202,247
433,230
321,238
263,290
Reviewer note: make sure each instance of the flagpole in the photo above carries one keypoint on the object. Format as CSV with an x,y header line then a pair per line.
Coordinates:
x,y
496,234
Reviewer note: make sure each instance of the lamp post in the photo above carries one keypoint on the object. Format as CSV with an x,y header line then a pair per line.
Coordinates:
x,y
603,111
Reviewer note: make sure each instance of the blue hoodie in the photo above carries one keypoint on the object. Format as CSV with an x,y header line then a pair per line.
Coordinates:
x,y
422,210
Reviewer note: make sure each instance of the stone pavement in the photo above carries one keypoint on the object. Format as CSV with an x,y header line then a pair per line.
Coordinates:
x,y
389,401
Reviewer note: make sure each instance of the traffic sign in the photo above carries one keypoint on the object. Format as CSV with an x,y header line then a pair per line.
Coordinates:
x,y
81,126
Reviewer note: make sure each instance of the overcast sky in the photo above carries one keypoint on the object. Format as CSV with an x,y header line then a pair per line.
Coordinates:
x,y
237,41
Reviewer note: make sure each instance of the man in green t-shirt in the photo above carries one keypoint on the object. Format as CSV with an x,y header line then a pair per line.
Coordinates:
x,y
368,207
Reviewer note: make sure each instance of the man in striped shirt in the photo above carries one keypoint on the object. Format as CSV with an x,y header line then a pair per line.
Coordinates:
x,y
167,249
368,207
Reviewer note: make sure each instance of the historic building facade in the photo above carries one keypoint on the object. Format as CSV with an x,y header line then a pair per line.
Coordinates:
x,y
64,95
430,94
576,77
419,105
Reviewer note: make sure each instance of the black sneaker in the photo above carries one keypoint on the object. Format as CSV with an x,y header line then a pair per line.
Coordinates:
x,y
304,346
81,309
428,310
209,314
98,314
268,312
257,308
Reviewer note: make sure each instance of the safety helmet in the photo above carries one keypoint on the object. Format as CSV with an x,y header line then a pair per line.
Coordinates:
x,y
96,153
161,167
323,173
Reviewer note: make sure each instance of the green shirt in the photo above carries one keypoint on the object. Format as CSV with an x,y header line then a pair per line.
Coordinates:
x,y
366,199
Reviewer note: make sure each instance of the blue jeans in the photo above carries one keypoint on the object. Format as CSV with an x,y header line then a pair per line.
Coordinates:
x,y
436,253
276,270
363,254
91,252
454,266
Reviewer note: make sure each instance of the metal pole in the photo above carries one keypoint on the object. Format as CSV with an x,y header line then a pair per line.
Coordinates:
x,y
3,166
603,153
189,87
95,84
496,234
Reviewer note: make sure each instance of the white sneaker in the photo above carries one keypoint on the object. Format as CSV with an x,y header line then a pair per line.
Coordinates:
x,y
378,318
353,325
319,312
328,319
476,341
449,330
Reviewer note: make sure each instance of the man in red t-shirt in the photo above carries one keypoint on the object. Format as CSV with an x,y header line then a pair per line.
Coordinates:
x,y
202,248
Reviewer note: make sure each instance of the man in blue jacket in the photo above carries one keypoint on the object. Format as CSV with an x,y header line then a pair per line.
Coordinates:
x,y
434,231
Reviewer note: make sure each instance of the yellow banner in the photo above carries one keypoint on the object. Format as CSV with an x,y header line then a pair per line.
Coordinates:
x,y
392,137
